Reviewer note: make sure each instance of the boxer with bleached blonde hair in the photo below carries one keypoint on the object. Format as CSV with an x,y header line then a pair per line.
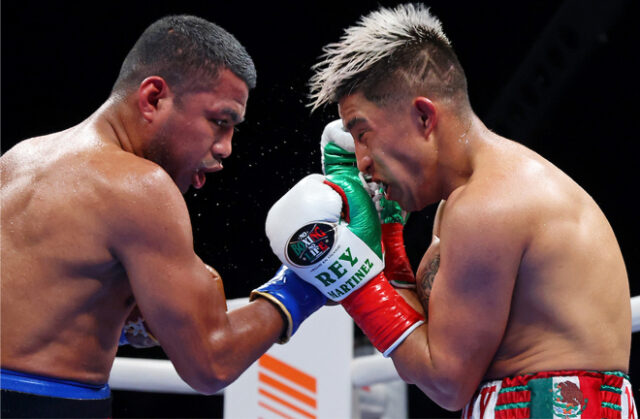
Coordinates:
x,y
524,287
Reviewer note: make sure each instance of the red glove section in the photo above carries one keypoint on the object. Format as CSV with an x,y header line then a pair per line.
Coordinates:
x,y
397,266
382,314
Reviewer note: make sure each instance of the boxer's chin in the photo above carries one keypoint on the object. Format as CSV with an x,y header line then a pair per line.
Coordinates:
x,y
391,194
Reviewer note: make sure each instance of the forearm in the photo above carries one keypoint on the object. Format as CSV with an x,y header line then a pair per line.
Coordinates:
x,y
416,364
276,310
251,331
413,357
230,347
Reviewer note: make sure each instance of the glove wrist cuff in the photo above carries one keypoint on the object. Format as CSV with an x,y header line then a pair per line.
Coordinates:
x,y
286,315
382,314
295,299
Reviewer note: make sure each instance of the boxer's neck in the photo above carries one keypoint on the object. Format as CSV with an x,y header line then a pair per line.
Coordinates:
x,y
116,123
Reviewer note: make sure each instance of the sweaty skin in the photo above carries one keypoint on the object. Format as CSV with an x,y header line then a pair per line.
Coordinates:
x,y
90,225
523,274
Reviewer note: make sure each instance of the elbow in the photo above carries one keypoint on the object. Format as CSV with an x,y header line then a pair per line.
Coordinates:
x,y
210,387
207,388
209,379
453,402
450,394
211,370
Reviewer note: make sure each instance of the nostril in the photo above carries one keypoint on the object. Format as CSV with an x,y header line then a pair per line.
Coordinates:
x,y
222,149
364,165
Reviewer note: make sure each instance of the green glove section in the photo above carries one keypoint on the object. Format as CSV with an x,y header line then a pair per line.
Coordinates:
x,y
340,168
390,211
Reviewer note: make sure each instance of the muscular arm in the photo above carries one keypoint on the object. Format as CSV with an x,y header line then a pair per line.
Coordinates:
x,y
430,263
424,283
182,302
464,285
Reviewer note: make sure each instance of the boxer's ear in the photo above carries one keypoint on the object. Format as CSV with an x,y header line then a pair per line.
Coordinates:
x,y
426,114
150,92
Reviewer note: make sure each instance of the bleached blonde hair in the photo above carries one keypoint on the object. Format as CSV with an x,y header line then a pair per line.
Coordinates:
x,y
387,53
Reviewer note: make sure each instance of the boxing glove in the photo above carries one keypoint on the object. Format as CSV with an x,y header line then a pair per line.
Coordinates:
x,y
326,230
338,159
135,331
295,298
397,265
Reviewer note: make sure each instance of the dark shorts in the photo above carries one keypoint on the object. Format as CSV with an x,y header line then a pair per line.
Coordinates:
x,y
31,396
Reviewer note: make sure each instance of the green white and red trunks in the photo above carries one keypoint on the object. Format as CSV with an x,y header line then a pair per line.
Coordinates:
x,y
555,395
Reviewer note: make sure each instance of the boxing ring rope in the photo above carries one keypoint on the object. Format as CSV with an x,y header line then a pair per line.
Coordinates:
x,y
154,375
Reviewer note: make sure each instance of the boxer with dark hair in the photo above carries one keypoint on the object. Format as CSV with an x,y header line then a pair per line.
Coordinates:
x,y
97,247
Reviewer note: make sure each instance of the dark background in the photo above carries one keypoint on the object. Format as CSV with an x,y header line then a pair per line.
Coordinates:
x,y
558,76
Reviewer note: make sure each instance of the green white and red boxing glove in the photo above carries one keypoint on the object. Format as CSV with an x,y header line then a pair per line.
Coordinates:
x,y
338,156
397,265
326,230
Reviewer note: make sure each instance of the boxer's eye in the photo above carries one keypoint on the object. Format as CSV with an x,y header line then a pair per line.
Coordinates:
x,y
360,136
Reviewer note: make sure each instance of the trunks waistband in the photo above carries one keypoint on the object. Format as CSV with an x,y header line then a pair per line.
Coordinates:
x,y
52,387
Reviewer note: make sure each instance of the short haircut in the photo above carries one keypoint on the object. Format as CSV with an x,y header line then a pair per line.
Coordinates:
x,y
188,52
387,55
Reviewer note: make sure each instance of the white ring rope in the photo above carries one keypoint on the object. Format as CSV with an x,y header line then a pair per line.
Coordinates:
x,y
158,375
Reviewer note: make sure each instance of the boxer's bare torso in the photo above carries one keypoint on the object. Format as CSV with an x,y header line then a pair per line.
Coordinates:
x,y
65,293
568,299
93,221
524,273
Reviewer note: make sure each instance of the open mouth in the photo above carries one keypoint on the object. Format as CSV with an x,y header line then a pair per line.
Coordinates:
x,y
198,179
206,166
210,165
376,188
384,187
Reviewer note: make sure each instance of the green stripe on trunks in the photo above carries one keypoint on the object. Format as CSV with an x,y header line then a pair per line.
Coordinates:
x,y
541,398
611,389
521,405
617,374
514,388
612,406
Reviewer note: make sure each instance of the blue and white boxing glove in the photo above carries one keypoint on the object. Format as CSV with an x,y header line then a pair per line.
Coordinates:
x,y
295,298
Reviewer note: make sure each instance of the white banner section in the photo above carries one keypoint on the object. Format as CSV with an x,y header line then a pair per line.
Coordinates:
x,y
308,377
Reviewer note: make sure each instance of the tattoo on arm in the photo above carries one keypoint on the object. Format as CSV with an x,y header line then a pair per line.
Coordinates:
x,y
425,283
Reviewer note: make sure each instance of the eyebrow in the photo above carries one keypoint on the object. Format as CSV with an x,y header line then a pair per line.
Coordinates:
x,y
233,115
354,121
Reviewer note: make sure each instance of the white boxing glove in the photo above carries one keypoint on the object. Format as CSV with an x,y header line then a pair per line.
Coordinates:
x,y
308,233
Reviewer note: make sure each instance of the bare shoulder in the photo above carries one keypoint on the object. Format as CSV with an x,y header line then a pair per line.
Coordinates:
x,y
138,192
480,207
131,176
510,192
487,222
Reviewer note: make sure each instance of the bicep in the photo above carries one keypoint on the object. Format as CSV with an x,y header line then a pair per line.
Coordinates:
x,y
471,295
175,292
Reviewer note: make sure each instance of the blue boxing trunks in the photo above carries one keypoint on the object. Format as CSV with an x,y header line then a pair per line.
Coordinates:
x,y
31,396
